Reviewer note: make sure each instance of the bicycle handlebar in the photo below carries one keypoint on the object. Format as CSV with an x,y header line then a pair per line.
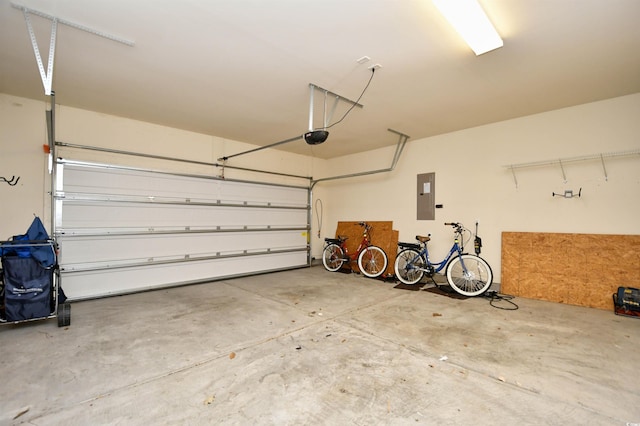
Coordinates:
x,y
458,227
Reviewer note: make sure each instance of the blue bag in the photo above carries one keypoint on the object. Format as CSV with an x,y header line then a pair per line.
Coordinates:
x,y
27,292
42,253
13,247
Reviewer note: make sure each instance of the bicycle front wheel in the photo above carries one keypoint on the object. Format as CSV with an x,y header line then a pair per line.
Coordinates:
x,y
332,257
409,266
372,261
469,275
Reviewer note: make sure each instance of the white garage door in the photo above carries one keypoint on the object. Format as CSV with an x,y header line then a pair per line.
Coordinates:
x,y
122,230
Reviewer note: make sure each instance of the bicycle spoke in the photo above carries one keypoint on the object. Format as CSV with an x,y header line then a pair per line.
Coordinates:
x,y
332,257
372,261
469,275
409,267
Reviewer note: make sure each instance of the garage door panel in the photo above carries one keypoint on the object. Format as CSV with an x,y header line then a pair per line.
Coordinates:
x,y
109,181
127,215
105,248
124,230
91,284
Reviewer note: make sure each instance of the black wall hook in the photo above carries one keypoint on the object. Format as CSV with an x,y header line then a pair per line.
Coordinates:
x,y
568,193
12,182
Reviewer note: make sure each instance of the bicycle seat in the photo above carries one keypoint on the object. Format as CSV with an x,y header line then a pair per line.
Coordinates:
x,y
423,239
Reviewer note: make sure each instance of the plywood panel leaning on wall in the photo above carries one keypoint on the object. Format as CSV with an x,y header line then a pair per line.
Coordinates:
x,y
381,235
576,269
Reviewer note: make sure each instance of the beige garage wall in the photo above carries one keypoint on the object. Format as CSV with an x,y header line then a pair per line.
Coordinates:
x,y
23,131
473,184
471,180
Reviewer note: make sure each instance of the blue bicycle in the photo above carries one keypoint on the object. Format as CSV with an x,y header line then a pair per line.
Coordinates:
x,y
468,274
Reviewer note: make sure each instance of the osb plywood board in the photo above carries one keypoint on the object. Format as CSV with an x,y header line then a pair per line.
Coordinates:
x,y
381,235
577,269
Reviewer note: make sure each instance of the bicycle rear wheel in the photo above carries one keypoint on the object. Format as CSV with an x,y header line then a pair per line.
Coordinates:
x,y
372,261
332,257
409,266
469,275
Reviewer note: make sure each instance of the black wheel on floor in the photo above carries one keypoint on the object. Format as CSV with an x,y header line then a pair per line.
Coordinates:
x,y
64,314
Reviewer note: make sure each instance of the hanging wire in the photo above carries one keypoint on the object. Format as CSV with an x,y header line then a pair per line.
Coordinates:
x,y
319,214
354,104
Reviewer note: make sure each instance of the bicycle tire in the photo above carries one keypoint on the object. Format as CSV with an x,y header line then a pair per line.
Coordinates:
x,y
409,266
332,257
475,281
372,261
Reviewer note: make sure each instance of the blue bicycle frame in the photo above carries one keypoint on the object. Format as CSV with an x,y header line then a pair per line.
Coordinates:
x,y
467,274
424,253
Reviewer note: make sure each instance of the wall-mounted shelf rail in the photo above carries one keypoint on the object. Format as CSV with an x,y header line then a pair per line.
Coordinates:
x,y
562,161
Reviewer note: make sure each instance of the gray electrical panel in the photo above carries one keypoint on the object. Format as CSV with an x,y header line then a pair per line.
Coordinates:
x,y
426,196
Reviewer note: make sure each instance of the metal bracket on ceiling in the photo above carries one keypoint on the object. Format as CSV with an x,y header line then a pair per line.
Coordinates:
x,y
337,98
312,89
47,77
74,25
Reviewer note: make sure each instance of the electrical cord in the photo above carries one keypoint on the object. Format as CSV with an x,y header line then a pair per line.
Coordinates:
x,y
462,240
495,296
373,71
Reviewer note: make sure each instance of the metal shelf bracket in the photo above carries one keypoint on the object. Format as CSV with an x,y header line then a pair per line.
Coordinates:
x,y
562,161
47,77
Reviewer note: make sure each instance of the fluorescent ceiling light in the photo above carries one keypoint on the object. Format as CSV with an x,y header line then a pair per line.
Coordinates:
x,y
470,21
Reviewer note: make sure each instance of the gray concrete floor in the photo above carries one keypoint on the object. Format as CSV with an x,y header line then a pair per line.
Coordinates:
x,y
309,347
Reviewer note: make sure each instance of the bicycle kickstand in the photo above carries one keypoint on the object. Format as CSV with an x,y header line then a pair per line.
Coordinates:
x,y
430,274
434,281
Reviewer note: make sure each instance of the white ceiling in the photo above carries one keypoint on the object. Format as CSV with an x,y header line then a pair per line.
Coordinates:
x,y
241,69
